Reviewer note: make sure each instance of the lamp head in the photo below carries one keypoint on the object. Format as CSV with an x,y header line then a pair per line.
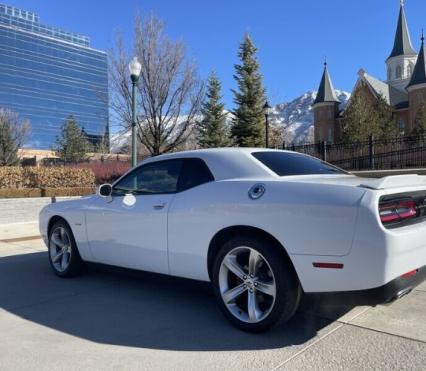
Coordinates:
x,y
135,68
266,108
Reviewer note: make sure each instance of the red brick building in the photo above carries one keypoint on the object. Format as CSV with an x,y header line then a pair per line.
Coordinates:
x,y
404,90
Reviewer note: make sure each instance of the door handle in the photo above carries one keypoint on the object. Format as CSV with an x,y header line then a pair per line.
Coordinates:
x,y
159,206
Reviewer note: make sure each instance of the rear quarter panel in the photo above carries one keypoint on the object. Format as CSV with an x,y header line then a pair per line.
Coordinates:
x,y
307,218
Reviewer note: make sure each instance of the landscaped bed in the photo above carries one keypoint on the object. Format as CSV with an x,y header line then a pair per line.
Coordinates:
x,y
56,181
17,182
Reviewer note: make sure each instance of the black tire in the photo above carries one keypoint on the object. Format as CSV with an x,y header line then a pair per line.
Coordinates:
x,y
75,263
288,289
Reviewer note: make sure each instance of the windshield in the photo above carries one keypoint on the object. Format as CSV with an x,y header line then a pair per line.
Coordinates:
x,y
290,163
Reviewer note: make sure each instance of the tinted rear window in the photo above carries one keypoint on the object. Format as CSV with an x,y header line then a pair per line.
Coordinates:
x,y
289,163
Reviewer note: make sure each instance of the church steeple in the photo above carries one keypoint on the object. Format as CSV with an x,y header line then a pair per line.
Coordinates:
x,y
326,109
401,61
402,44
326,91
417,87
419,74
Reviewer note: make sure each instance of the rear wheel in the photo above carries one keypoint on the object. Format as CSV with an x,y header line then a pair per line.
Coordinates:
x,y
255,285
63,254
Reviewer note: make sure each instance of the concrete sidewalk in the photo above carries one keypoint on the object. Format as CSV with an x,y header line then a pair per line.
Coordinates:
x,y
19,231
19,216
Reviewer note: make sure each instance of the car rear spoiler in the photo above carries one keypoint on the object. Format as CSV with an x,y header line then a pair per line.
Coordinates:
x,y
394,181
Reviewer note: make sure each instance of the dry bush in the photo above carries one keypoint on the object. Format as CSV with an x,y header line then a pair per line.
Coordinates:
x,y
19,192
45,177
11,177
46,192
105,171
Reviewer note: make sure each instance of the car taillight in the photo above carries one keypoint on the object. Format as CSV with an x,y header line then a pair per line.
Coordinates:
x,y
397,211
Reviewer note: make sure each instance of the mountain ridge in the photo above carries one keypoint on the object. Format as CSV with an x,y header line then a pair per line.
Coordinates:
x,y
296,117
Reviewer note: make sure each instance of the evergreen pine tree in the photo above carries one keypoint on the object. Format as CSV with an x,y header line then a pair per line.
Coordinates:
x,y
419,127
72,146
386,121
248,127
365,117
212,130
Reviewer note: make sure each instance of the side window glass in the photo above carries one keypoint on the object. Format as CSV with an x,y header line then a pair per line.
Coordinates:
x,y
154,178
194,173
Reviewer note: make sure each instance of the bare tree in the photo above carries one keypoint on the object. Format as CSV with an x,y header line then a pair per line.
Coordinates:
x,y
169,92
277,134
13,133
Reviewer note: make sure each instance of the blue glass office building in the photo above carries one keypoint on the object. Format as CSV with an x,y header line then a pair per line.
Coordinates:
x,y
47,74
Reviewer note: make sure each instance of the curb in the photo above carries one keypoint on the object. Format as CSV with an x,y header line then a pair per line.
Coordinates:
x,y
21,239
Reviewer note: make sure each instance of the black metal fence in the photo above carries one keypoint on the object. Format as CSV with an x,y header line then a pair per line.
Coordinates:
x,y
379,154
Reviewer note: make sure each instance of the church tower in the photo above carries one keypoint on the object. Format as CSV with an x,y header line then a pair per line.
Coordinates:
x,y
417,85
401,61
326,108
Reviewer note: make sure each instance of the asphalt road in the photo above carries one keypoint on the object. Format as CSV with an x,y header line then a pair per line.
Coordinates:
x,y
116,319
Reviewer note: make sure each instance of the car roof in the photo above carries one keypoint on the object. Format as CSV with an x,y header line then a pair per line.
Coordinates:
x,y
225,163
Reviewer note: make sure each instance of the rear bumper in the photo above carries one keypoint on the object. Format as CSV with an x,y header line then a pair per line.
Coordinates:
x,y
387,293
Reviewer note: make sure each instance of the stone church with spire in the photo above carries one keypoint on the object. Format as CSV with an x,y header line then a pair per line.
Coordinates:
x,y
404,90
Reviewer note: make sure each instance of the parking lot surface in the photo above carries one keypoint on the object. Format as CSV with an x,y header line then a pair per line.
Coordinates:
x,y
124,320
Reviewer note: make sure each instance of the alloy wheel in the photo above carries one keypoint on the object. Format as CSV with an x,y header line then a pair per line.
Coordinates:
x,y
247,284
60,249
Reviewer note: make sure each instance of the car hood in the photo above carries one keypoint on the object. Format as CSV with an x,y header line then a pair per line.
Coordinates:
x,y
394,181
67,204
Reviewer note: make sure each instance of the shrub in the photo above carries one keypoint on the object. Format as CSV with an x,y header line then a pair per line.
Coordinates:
x,y
105,171
45,177
46,192
19,192
60,177
11,177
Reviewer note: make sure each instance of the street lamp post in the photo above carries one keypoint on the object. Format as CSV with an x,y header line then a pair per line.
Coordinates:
x,y
266,111
135,70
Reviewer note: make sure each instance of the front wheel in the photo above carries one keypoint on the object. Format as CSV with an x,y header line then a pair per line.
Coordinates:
x,y
63,253
255,285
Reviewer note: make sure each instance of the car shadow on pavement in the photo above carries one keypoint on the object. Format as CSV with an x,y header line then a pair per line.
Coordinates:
x,y
129,308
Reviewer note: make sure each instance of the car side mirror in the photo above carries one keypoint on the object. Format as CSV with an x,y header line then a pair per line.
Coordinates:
x,y
105,190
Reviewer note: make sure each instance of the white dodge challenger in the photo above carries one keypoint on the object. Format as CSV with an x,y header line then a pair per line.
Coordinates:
x,y
264,226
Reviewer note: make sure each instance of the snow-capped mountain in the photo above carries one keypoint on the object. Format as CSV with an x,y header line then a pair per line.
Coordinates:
x,y
117,141
297,118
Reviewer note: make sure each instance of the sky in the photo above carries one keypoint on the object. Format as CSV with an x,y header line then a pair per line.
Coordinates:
x,y
293,37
